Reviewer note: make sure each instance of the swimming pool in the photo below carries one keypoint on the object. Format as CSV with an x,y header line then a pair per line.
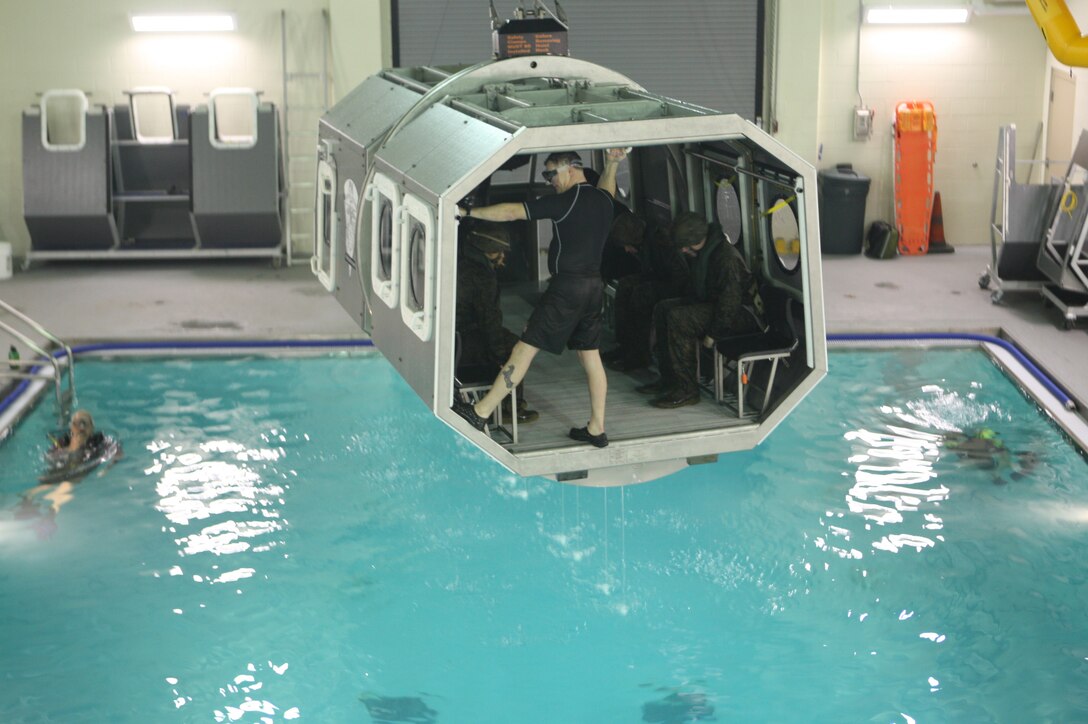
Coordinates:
x,y
301,539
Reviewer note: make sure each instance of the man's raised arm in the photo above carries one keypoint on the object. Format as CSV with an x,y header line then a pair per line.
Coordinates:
x,y
612,159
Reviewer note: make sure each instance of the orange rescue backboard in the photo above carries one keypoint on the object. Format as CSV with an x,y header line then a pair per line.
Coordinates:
x,y
915,149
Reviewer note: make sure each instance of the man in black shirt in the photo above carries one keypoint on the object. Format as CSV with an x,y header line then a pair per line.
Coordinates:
x,y
569,312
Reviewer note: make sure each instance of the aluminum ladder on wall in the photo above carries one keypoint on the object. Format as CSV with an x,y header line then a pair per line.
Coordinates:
x,y
35,369
305,100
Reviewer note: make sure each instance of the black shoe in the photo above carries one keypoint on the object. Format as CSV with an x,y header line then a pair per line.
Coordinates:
x,y
657,387
467,411
676,398
582,434
626,365
524,415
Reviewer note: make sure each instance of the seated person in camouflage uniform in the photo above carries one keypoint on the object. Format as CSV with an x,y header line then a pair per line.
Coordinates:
x,y
720,301
663,274
485,342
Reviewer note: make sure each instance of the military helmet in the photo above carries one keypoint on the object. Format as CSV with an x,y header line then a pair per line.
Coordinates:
x,y
490,237
688,229
627,230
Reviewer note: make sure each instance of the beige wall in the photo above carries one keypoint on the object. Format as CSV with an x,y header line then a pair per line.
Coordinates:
x,y
982,75
75,44
361,41
797,101
990,72
1079,8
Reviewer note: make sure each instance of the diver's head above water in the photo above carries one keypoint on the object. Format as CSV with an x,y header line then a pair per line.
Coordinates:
x,y
81,426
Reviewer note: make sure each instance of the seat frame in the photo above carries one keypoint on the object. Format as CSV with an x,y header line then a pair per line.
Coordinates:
x,y
746,362
473,392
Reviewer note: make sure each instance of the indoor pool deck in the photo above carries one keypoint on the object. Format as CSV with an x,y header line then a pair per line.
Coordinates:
x,y
252,300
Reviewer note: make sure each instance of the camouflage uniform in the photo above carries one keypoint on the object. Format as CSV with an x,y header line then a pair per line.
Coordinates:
x,y
485,342
663,275
720,302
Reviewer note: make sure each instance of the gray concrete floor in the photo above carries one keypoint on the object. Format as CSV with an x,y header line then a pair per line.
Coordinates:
x,y
940,293
139,301
230,299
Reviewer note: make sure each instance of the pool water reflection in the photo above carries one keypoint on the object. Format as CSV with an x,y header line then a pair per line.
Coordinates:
x,y
300,539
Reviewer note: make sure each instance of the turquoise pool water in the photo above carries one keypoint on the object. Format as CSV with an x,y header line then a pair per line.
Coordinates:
x,y
299,539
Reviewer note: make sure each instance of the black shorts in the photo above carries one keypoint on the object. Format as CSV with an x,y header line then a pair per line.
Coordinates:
x,y
569,313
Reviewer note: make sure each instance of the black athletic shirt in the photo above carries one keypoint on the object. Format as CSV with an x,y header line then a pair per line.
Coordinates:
x,y
581,218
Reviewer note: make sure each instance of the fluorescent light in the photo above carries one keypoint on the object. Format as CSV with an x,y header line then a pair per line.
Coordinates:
x,y
183,23
916,16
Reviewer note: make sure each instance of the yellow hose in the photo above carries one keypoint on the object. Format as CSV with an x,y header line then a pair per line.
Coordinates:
x,y
1060,29
1069,201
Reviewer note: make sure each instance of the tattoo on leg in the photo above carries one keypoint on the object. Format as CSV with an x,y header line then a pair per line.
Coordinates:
x,y
508,375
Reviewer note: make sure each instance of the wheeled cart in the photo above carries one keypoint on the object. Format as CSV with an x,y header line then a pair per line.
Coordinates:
x,y
1072,305
1019,215
1062,257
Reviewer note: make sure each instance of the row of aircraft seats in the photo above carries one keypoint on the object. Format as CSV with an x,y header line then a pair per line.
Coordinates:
x,y
152,175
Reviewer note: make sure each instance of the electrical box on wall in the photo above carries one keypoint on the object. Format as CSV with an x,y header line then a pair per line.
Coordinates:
x,y
863,123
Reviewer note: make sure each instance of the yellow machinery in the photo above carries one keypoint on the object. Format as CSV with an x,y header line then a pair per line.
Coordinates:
x,y
1061,31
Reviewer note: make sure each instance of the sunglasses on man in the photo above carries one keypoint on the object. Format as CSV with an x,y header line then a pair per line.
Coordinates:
x,y
549,175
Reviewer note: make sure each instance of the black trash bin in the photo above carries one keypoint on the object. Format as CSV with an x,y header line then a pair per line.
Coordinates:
x,y
842,192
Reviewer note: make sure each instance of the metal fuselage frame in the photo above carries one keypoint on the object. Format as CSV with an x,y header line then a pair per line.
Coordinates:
x,y
438,132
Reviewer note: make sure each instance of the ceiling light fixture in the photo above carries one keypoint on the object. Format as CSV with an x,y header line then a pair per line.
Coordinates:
x,y
219,23
916,16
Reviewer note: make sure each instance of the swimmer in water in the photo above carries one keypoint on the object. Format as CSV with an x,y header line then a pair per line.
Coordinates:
x,y
987,451
73,456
